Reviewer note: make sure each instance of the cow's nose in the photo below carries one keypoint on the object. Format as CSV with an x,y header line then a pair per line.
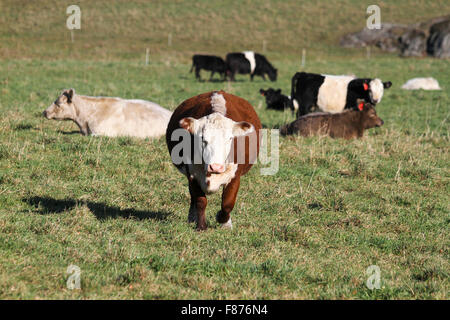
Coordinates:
x,y
216,168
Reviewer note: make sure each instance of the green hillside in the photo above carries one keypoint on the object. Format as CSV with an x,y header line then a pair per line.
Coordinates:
x,y
124,29
117,208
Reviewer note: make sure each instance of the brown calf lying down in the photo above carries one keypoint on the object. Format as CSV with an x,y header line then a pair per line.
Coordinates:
x,y
348,124
110,117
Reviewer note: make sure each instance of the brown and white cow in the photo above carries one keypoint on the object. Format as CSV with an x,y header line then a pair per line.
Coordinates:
x,y
223,138
110,117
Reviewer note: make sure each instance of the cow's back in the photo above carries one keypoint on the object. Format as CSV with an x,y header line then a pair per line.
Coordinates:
x,y
314,124
137,118
209,62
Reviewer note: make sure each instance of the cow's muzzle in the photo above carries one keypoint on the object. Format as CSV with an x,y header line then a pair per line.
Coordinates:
x,y
216,168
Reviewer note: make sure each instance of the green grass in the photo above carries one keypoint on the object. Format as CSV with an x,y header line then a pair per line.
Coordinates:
x,y
117,208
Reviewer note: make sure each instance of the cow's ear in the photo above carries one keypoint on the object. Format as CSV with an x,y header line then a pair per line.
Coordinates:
x,y
261,91
360,103
387,84
188,124
242,128
278,91
69,93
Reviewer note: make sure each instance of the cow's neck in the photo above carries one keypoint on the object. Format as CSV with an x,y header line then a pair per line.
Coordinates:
x,y
360,122
83,110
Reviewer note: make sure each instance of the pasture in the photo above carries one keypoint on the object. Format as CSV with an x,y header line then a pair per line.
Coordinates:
x,y
117,207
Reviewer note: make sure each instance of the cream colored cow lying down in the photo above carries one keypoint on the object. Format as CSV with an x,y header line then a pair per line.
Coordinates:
x,y
110,117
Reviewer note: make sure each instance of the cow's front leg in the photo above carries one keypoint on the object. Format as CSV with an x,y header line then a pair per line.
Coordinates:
x,y
198,205
228,200
232,76
197,74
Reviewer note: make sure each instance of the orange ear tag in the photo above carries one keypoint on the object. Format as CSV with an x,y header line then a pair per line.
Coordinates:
x,y
361,106
366,87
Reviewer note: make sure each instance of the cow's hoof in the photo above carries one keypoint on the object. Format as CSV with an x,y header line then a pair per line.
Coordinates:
x,y
227,225
192,218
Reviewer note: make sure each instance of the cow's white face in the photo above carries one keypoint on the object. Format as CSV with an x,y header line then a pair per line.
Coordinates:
x,y
214,138
376,90
62,108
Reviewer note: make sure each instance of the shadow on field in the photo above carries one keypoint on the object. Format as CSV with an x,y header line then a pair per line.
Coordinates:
x,y
102,211
210,80
70,132
23,126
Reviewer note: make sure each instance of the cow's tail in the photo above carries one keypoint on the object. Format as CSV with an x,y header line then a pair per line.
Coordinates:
x,y
193,64
293,86
293,101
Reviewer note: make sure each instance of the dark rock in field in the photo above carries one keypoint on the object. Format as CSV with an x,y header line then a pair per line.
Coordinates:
x,y
431,36
412,43
438,43
384,38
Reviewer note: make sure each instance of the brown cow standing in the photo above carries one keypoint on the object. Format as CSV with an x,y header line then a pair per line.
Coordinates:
x,y
348,124
213,122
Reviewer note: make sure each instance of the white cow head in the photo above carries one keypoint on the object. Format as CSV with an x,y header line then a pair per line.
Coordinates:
x,y
376,90
63,107
214,136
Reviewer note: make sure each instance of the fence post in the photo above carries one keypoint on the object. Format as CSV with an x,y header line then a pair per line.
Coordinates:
x,y
303,58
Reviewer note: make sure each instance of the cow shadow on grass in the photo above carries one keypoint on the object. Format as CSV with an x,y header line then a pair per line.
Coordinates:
x,y
102,211
214,80
23,126
210,80
69,132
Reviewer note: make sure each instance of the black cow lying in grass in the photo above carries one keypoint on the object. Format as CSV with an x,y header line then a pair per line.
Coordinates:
x,y
277,101
209,63
348,124
249,62
333,94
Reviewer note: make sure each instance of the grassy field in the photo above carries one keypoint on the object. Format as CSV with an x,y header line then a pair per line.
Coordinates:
x,y
117,208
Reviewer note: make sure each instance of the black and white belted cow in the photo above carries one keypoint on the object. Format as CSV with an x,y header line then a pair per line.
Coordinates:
x,y
249,62
333,94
